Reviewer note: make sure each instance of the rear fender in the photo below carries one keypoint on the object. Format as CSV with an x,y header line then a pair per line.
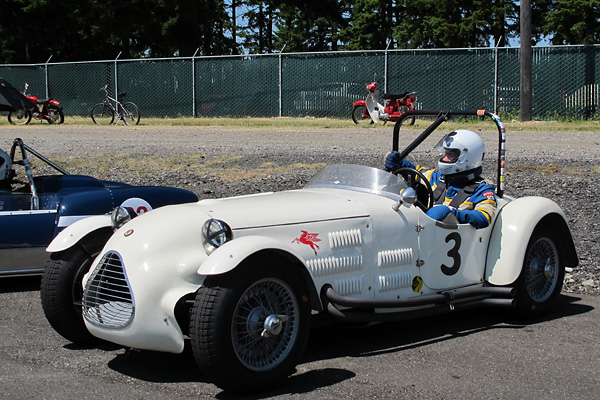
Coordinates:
x,y
229,256
73,233
512,230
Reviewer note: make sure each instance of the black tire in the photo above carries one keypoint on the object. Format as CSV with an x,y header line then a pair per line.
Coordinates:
x,y
61,289
408,121
358,115
235,356
541,278
56,115
20,117
131,114
102,114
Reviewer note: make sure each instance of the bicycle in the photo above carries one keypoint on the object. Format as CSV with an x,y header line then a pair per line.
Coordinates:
x,y
104,113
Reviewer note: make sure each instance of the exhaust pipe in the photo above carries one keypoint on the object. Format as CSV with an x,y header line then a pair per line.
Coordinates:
x,y
439,303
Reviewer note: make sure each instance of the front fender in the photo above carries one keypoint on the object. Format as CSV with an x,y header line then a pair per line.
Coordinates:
x,y
233,253
76,231
360,103
512,230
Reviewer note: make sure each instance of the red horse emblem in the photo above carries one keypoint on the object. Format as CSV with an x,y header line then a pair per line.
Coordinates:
x,y
309,239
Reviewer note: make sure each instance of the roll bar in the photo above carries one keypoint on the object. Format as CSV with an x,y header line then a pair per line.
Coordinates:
x,y
445,115
22,147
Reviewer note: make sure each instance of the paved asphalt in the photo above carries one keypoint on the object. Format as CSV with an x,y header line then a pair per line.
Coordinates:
x,y
478,354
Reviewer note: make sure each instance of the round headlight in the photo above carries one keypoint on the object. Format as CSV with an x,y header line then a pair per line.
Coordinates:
x,y
215,234
120,216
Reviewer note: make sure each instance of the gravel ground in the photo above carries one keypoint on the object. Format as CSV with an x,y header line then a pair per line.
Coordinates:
x,y
227,161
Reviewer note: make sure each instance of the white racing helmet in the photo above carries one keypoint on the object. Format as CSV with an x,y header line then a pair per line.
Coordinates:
x,y
5,166
462,150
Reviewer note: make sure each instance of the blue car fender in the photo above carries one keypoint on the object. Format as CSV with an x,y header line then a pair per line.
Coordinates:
x,y
80,228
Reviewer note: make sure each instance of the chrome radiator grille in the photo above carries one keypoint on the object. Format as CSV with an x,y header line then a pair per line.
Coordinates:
x,y
107,297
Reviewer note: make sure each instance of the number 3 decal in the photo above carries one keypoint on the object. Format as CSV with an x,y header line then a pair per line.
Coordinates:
x,y
453,253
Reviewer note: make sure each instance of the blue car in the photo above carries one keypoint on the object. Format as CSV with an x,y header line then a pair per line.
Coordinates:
x,y
34,209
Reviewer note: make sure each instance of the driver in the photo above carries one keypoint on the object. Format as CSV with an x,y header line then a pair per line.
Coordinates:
x,y
458,187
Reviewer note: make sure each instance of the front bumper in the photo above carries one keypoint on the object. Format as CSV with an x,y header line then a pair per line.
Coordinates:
x,y
132,290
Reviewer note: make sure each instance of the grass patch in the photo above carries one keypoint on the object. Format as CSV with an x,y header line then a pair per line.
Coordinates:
x,y
473,123
225,167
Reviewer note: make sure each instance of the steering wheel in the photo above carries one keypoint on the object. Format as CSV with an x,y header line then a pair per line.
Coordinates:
x,y
410,176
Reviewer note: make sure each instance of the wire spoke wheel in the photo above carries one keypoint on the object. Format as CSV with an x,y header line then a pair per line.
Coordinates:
x,y
265,324
542,269
542,274
249,327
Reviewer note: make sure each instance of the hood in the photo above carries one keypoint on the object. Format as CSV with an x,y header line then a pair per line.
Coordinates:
x,y
290,207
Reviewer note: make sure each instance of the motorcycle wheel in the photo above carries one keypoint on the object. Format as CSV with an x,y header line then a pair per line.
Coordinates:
x,y
360,115
409,121
20,117
56,115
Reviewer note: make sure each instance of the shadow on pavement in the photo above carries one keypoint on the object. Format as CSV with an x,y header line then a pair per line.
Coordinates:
x,y
20,284
344,340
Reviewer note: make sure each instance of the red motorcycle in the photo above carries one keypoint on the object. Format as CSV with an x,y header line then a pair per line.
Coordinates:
x,y
47,109
396,104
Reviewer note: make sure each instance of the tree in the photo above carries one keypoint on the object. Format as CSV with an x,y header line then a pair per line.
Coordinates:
x,y
574,22
454,23
304,26
370,25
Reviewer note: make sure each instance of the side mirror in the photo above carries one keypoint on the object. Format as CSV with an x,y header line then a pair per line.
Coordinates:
x,y
408,196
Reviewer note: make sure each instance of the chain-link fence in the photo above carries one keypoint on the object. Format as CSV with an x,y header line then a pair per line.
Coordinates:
x,y
565,82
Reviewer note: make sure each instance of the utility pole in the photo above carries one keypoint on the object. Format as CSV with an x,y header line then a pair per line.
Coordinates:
x,y
526,56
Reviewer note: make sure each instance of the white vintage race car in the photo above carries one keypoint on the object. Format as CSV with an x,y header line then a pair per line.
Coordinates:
x,y
240,277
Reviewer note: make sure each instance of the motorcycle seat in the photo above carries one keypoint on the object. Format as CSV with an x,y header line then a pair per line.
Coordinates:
x,y
42,101
394,96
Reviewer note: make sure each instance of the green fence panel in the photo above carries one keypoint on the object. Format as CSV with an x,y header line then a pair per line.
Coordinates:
x,y
18,76
565,82
453,79
508,92
160,88
237,86
327,84
76,86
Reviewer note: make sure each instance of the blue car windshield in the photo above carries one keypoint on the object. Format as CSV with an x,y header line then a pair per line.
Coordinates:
x,y
358,178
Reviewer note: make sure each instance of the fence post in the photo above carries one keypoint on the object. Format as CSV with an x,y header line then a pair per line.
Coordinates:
x,y
496,76
385,67
117,79
194,84
46,74
280,82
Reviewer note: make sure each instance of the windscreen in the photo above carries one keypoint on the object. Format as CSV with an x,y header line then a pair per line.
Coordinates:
x,y
358,178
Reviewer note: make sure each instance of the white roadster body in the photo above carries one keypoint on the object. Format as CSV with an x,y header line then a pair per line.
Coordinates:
x,y
240,276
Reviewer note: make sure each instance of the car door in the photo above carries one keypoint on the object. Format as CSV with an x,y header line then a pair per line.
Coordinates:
x,y
395,253
24,233
451,256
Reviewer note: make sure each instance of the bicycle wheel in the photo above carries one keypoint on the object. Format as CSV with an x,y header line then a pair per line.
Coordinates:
x,y
20,117
131,114
102,114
